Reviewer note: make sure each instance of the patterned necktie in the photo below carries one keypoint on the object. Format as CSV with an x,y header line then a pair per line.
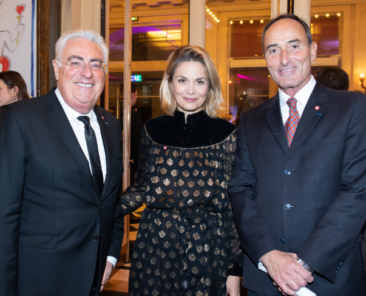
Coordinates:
x,y
292,121
91,143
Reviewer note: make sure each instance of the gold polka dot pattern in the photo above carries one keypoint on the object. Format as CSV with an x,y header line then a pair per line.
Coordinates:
x,y
187,235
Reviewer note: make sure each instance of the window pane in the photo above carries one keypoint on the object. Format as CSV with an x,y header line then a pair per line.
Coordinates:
x,y
149,43
325,31
246,38
148,102
249,87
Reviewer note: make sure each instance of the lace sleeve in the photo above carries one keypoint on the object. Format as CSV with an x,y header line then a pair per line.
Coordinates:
x,y
236,258
133,197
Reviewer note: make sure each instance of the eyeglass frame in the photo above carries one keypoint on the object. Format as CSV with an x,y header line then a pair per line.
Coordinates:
x,y
105,67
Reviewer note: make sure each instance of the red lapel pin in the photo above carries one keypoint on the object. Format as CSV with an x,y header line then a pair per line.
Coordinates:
x,y
317,108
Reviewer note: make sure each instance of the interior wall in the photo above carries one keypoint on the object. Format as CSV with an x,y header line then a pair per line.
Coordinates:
x,y
80,14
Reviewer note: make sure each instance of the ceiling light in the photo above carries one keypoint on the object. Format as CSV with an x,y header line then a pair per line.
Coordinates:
x,y
316,16
207,10
231,22
241,22
262,21
327,15
217,21
210,12
338,14
251,21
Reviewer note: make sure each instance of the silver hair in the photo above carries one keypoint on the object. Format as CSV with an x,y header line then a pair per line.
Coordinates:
x,y
86,34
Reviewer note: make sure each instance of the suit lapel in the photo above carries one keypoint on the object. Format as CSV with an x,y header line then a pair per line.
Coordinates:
x,y
107,137
274,121
62,125
314,110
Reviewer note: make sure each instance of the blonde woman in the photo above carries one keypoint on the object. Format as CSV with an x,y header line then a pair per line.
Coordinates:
x,y
187,243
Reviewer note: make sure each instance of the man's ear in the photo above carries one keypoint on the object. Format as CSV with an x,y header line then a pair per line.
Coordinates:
x,y
55,68
313,50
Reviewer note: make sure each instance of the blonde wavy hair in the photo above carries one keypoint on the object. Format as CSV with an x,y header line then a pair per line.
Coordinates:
x,y
191,53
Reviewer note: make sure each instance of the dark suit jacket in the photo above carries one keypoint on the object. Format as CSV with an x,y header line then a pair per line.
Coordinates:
x,y
51,219
135,141
309,199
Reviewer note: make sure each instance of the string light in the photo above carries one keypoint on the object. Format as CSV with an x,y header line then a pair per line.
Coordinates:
x,y
231,22
327,15
251,21
262,21
316,16
338,14
241,22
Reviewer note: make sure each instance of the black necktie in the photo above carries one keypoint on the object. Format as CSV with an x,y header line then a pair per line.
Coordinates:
x,y
91,142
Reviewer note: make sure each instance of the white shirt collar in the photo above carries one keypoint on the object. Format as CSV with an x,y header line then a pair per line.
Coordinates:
x,y
71,113
302,96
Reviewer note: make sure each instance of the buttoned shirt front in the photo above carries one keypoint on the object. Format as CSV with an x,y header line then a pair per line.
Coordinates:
x,y
302,98
78,128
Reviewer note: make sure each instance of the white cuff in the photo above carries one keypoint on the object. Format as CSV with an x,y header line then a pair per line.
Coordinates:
x,y
112,260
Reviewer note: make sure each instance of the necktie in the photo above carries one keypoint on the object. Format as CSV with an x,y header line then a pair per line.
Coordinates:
x,y
292,121
91,142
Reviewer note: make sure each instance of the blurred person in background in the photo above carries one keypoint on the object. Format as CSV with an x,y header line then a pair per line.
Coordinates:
x,y
333,77
12,88
135,131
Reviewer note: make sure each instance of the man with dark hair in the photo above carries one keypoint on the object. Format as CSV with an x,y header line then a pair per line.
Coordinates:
x,y
135,131
298,187
333,77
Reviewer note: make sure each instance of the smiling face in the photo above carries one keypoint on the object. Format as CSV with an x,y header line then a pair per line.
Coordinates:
x,y
288,55
7,95
80,89
190,86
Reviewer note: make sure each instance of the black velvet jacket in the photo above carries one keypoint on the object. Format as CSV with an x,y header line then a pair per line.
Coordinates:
x,y
198,130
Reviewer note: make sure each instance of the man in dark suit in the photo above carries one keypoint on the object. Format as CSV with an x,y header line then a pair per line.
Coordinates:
x,y
61,170
135,132
298,186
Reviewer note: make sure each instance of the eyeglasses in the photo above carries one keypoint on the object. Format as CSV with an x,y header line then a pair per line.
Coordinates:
x,y
77,64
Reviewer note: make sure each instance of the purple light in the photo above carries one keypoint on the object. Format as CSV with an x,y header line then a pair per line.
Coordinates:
x,y
118,35
251,78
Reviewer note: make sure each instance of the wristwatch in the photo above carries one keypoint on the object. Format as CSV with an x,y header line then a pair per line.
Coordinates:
x,y
305,266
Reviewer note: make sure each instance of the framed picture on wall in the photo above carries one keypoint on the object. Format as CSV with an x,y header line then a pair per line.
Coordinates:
x,y
18,39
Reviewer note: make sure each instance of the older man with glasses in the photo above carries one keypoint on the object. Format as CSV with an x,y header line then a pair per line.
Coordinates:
x,y
61,170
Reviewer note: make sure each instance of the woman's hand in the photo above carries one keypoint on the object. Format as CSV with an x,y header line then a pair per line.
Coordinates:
x,y
233,285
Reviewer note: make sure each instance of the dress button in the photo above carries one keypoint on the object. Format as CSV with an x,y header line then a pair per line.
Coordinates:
x,y
95,237
181,142
283,241
190,202
287,172
288,206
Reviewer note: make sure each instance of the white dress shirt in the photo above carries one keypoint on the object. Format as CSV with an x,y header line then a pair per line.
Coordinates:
x,y
302,98
78,128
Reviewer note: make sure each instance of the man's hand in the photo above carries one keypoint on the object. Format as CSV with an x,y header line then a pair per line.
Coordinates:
x,y
107,273
233,285
288,275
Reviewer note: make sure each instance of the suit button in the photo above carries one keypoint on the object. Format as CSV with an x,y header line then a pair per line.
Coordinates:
x,y
95,237
181,142
287,172
283,241
184,127
100,207
288,206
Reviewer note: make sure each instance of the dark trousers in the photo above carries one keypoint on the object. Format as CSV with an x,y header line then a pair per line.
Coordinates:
x,y
95,291
251,293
